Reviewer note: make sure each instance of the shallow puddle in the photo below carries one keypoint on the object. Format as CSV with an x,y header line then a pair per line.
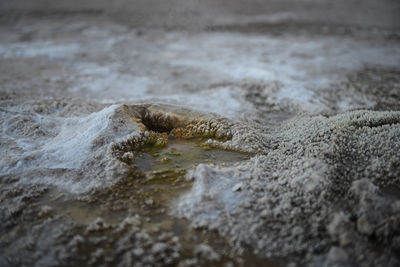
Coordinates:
x,y
158,178
183,154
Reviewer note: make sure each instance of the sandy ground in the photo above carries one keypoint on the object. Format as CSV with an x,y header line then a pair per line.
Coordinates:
x,y
308,91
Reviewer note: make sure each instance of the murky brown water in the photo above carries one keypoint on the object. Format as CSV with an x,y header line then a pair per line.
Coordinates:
x,y
160,176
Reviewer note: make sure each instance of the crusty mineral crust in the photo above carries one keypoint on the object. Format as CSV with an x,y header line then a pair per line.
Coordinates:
x,y
322,184
317,193
314,190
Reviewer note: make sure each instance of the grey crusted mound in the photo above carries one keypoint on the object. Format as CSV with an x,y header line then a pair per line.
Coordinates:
x,y
317,190
323,191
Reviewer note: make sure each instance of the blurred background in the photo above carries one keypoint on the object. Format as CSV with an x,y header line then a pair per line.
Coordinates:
x,y
206,13
233,57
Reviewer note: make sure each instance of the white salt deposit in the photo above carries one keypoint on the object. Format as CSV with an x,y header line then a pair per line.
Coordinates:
x,y
213,189
107,82
224,101
163,68
38,48
302,65
70,148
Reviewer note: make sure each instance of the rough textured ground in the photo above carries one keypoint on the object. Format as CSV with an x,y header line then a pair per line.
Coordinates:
x,y
309,91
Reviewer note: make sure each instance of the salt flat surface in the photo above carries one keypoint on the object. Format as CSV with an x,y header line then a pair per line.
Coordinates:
x,y
172,66
287,99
